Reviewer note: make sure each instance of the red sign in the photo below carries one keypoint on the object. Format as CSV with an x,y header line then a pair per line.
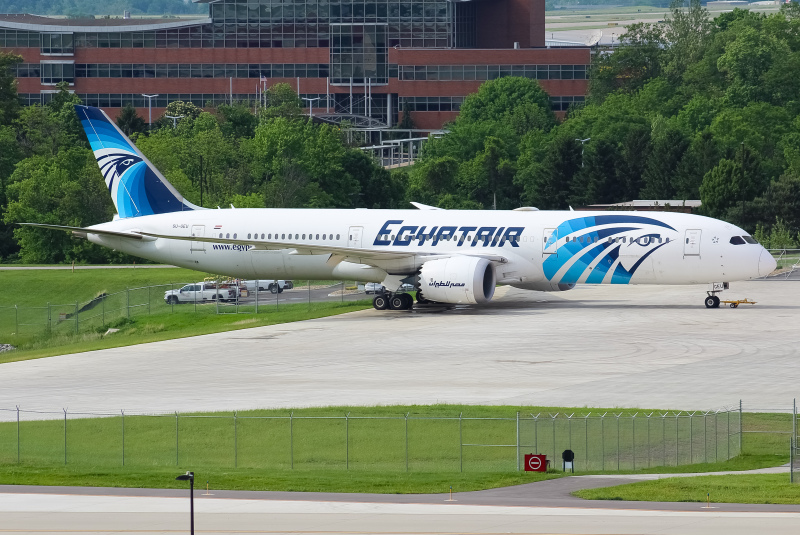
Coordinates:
x,y
535,463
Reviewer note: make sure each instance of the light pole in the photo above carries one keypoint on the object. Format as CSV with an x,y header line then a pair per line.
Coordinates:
x,y
174,119
150,108
311,105
189,476
582,142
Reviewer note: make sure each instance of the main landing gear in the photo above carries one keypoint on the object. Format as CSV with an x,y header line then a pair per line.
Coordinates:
x,y
390,301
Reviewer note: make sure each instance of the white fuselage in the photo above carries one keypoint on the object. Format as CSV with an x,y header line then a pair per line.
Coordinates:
x,y
544,247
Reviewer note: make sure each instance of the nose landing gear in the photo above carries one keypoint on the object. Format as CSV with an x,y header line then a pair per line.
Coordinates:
x,y
712,301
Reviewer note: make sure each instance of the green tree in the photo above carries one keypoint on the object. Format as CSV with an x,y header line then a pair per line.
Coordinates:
x,y
65,189
668,148
282,101
130,122
551,183
9,102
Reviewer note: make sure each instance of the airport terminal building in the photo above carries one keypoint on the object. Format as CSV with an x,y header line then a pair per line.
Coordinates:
x,y
363,59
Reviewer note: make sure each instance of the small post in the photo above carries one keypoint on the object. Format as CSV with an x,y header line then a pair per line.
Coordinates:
x,y
461,442
517,441
347,441
49,318
618,441
291,440
691,438
148,300
123,437
740,427
342,291
406,442
16,319
103,305
633,439
128,302
65,436
235,442
309,295
76,317
728,437
176,438
603,443
257,296
17,434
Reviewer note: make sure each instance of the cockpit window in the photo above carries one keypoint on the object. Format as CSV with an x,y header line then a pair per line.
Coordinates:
x,y
737,240
749,239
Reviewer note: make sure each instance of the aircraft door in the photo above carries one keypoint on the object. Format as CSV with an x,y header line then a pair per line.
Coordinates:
x,y
691,243
198,231
354,237
549,241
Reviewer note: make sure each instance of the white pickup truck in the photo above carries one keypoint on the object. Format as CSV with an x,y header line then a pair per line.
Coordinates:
x,y
202,292
274,286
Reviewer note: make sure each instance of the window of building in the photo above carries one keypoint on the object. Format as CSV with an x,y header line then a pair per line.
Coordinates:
x,y
53,73
57,43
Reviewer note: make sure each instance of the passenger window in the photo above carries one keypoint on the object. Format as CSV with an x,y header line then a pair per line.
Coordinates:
x,y
737,240
296,236
248,236
317,236
227,236
337,236
262,236
234,235
283,236
304,236
623,239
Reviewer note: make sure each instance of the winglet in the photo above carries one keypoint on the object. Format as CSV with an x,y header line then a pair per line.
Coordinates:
x,y
421,206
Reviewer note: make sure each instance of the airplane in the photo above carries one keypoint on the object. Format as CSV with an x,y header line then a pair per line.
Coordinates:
x,y
449,256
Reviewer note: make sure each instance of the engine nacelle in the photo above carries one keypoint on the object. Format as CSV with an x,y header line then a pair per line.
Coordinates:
x,y
456,280
544,286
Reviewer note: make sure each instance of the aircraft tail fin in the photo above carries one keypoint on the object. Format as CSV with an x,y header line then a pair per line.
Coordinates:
x,y
136,186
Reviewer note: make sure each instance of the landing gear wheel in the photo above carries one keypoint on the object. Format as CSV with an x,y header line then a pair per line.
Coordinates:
x,y
380,302
408,301
710,301
396,302
421,299
716,301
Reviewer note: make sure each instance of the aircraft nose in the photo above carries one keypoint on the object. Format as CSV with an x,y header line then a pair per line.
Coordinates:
x,y
766,263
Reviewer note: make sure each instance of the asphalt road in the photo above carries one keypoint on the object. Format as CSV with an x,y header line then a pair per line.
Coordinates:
x,y
543,508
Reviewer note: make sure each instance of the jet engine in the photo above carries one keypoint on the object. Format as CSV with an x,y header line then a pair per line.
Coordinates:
x,y
458,280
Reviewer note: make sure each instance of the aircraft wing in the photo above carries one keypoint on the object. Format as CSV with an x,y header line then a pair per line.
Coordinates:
x,y
337,253
83,231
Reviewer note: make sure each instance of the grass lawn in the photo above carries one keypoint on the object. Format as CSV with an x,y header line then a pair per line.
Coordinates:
x,y
163,324
37,287
747,488
44,322
317,480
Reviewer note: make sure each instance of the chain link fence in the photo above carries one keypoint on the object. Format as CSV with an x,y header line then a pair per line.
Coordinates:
x,y
107,309
619,441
